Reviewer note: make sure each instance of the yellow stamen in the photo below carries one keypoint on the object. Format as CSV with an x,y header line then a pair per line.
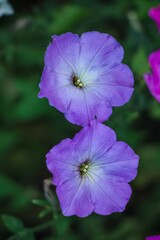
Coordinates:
x,y
83,168
77,82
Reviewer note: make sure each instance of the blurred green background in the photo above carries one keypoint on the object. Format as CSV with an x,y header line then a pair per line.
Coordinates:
x,y
29,127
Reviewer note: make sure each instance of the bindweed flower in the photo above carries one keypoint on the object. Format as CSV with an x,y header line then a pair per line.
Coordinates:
x,y
154,13
153,238
153,79
84,78
91,171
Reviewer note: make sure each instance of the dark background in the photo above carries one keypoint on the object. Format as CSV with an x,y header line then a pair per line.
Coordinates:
x,y
29,127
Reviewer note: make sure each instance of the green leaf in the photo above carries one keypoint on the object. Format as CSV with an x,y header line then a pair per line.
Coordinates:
x,y
14,224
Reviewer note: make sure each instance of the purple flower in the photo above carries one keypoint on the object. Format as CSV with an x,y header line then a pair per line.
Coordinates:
x,y
83,76
92,171
153,80
153,238
154,13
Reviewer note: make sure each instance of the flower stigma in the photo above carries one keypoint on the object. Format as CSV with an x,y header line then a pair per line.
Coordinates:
x,y
77,82
83,168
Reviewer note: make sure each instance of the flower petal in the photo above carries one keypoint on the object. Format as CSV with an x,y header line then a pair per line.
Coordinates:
x,y
103,139
86,106
157,237
153,79
98,106
61,162
98,50
153,85
154,13
54,61
108,195
76,200
95,140
77,111
119,162
57,88
68,47
115,86
154,62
